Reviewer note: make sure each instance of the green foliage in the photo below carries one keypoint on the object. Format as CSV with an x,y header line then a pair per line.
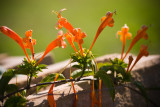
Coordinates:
x,y
77,66
142,89
107,81
50,78
11,87
15,101
117,69
83,62
77,73
6,77
30,68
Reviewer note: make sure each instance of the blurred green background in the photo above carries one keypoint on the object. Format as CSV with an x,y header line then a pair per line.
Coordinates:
x,y
22,15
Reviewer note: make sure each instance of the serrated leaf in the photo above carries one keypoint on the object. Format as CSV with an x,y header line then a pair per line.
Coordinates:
x,y
15,101
141,88
77,73
50,78
6,77
107,81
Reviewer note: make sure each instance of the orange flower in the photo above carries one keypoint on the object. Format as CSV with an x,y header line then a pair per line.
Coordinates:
x,y
55,43
50,98
69,37
124,35
143,52
62,22
10,33
75,95
100,99
29,42
130,61
93,96
78,37
140,34
106,21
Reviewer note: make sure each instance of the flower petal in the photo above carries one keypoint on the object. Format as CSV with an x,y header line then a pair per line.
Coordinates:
x,y
75,95
57,42
140,34
143,52
124,35
29,33
51,46
69,38
10,33
62,22
29,42
108,21
50,97
130,61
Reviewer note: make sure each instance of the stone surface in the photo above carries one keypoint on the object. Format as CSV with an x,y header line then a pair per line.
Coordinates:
x,y
10,62
147,71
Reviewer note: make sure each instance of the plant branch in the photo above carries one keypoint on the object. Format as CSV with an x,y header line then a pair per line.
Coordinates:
x,y
46,83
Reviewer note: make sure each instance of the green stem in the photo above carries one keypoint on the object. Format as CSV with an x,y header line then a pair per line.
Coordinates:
x,y
30,79
83,70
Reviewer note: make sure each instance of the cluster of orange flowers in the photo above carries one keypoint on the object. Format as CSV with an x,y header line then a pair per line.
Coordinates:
x,y
72,35
76,35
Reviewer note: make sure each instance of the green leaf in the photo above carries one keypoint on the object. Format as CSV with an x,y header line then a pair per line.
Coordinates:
x,y
6,77
23,93
77,66
11,87
30,68
99,65
106,68
141,88
77,73
15,101
42,66
50,78
107,81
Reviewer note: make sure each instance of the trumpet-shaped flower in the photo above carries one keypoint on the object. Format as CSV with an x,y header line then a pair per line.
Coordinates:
x,y
29,42
105,21
143,52
69,38
77,34
140,34
78,37
124,35
50,97
55,43
10,33
62,22
93,96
